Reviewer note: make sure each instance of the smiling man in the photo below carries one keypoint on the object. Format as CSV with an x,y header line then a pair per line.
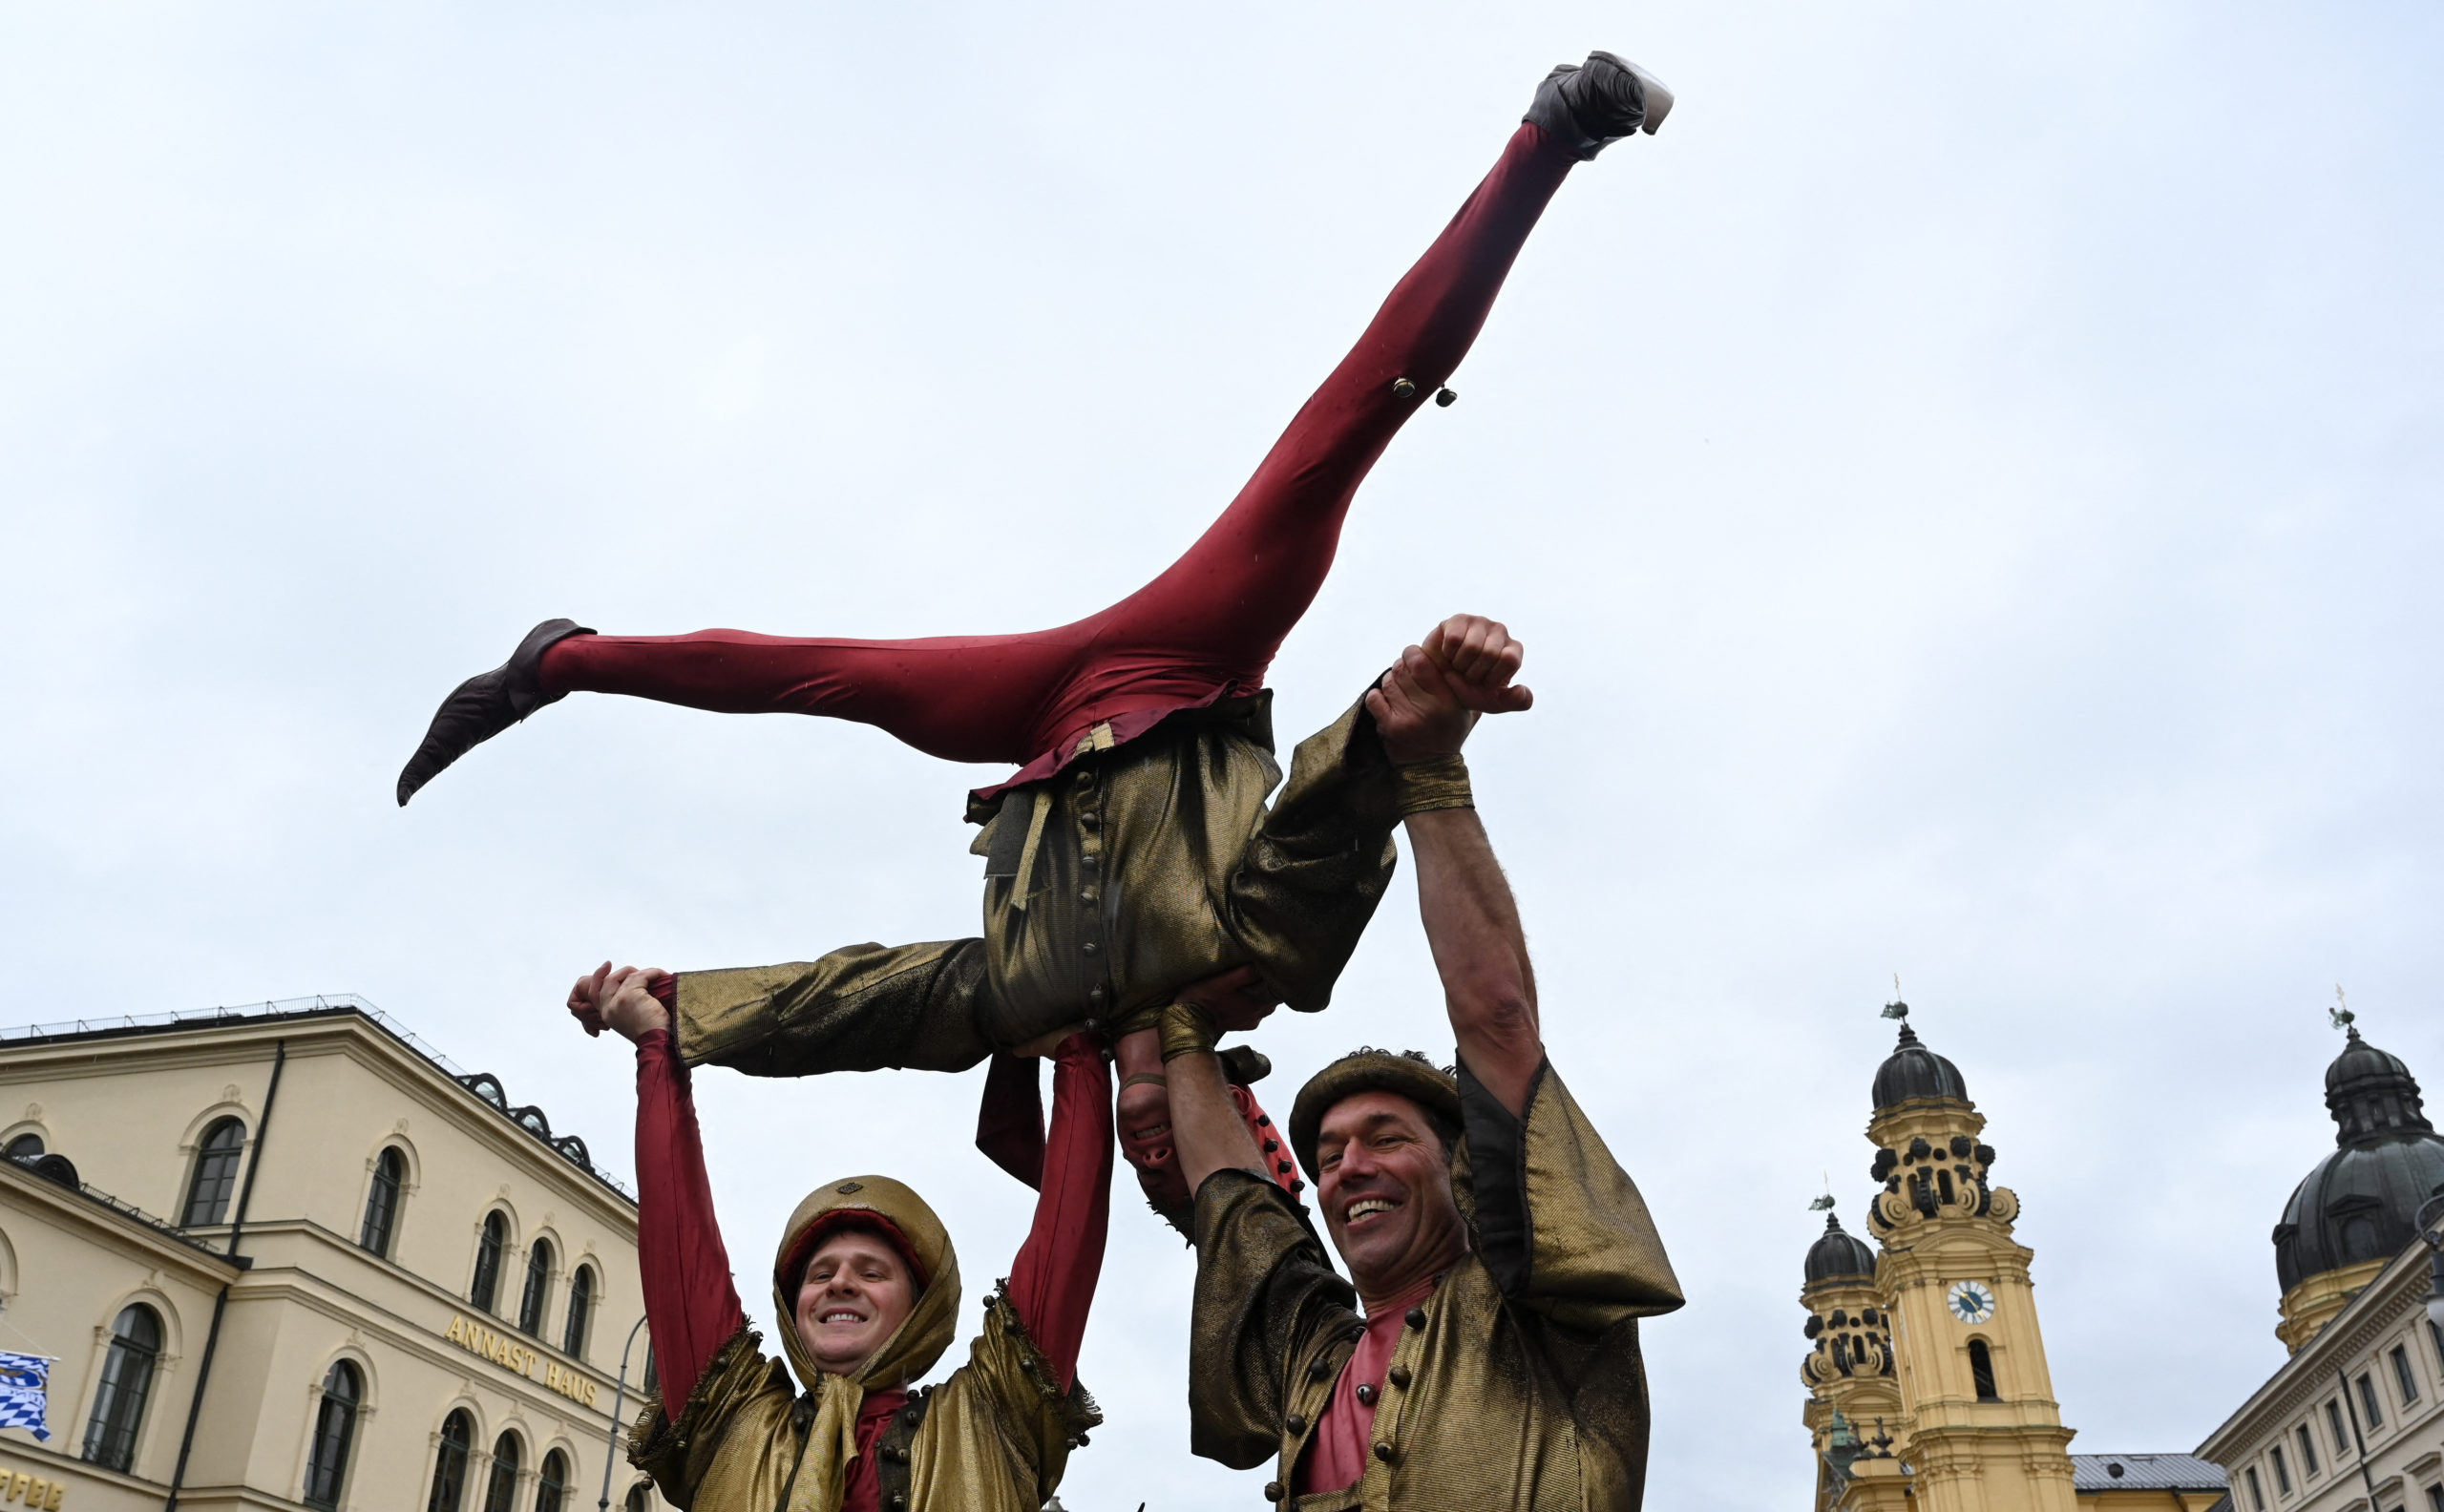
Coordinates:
x,y
865,1290
1483,1352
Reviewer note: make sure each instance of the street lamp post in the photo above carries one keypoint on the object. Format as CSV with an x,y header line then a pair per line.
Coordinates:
x,y
619,1410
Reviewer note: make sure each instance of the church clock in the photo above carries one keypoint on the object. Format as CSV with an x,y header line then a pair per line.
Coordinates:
x,y
1971,1301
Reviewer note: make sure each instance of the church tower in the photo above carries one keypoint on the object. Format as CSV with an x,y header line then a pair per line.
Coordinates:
x,y
1853,1409
2359,1206
1949,1310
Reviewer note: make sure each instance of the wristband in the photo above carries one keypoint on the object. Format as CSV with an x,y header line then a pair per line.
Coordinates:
x,y
1136,1018
1439,781
1186,1030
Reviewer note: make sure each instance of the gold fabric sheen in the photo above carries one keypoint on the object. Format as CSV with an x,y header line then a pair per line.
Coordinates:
x,y
1439,782
995,1436
1525,1388
1143,868
1186,1029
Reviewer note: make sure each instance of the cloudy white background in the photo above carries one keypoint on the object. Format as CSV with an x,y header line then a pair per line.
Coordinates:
x,y
1967,488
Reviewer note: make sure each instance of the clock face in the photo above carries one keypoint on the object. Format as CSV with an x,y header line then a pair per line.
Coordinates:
x,y
1971,1301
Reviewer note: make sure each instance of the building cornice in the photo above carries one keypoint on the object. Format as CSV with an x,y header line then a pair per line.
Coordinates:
x,y
165,1248
2400,1288
339,1031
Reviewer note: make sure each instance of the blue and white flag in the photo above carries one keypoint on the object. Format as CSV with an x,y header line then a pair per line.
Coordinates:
x,y
25,1393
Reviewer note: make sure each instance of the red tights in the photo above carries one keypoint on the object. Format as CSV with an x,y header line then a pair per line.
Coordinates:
x,y
1212,620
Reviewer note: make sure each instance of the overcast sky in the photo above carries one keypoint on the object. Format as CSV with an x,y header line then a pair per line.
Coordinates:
x,y
1967,489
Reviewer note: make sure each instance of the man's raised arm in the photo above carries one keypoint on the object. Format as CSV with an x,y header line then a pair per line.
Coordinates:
x,y
1423,710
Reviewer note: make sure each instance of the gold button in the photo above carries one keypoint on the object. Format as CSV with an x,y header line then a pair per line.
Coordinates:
x,y
1403,388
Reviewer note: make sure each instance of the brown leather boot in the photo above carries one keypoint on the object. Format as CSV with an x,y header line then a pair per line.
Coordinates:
x,y
486,705
1593,105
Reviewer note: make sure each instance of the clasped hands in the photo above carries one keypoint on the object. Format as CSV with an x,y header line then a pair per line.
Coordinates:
x,y
621,1001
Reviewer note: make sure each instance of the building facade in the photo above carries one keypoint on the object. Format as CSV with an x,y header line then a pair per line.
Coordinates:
x,y
1926,1372
290,1258
2353,1421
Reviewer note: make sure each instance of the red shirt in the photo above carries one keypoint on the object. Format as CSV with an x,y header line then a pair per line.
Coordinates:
x,y
1344,1436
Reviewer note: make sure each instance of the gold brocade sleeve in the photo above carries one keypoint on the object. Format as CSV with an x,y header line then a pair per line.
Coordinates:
x,y
1560,1224
860,1008
733,1445
1268,1304
997,1435
1318,862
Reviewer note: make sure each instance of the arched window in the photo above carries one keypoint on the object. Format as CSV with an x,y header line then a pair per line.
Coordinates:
x,y
501,1494
334,1434
580,1313
127,1380
382,1203
636,1501
26,1147
450,1463
539,1286
489,1245
1981,1369
552,1487
216,1173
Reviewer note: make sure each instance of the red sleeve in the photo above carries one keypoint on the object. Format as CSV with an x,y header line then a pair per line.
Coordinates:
x,y
1052,1283
690,1303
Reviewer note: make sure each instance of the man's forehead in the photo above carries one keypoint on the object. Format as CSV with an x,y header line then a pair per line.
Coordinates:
x,y
1360,1109
854,1240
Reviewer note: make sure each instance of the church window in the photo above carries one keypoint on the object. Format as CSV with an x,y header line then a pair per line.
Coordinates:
x,y
538,1287
25,1148
127,1380
2282,1472
2307,1451
2367,1401
1981,1370
382,1203
450,1464
2256,1496
485,1290
2333,1425
216,1173
2403,1375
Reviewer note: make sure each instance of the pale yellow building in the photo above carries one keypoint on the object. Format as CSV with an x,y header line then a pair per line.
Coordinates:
x,y
1926,1377
289,1257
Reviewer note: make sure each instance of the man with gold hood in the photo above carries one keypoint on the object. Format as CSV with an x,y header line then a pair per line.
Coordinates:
x,y
1484,1353
867,1291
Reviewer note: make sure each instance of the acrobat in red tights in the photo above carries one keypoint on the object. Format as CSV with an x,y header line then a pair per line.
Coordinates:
x,y
1132,852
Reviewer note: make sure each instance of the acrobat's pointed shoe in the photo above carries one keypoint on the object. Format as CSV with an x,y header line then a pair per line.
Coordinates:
x,y
1591,105
486,705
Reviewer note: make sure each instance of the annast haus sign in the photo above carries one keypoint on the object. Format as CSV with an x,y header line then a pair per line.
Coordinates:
x,y
512,1355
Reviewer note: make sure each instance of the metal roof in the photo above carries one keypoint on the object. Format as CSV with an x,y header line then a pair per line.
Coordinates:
x,y
2144,1472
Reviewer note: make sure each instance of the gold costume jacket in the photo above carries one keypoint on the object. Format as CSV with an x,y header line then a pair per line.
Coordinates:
x,y
994,1438
1517,1384
1132,873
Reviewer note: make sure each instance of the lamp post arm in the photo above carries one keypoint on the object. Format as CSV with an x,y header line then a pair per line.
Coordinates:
x,y
619,1410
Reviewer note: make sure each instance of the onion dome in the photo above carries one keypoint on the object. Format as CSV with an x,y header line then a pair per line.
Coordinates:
x,y
1914,1071
2361,1203
1837,1255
